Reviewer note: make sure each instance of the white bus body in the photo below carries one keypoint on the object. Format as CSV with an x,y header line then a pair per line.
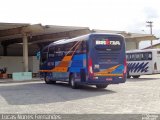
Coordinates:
x,y
143,62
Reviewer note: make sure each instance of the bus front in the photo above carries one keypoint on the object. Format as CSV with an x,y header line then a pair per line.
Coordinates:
x,y
106,59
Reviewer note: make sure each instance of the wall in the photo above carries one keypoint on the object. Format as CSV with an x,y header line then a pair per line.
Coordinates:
x,y
17,50
33,64
15,64
130,45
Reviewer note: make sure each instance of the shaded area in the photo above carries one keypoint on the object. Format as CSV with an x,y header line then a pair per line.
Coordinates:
x,y
40,93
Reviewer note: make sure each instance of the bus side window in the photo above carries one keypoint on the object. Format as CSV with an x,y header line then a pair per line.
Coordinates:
x,y
137,56
44,57
59,53
147,56
51,52
68,48
150,56
127,57
133,57
78,48
130,57
84,49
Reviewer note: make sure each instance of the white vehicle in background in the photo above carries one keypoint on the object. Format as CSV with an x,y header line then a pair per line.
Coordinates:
x,y
143,62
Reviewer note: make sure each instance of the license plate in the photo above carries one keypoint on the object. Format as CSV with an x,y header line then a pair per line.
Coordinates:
x,y
109,79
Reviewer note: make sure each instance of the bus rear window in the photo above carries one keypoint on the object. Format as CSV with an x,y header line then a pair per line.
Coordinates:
x,y
108,44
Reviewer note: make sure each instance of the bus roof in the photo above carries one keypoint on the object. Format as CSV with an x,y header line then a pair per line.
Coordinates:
x,y
144,50
79,38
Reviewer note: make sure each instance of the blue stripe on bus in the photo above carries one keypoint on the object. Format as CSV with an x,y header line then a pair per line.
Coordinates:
x,y
79,57
77,63
119,70
75,69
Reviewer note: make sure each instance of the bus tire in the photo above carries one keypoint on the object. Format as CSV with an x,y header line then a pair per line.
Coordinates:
x,y
101,86
72,82
128,76
48,81
136,76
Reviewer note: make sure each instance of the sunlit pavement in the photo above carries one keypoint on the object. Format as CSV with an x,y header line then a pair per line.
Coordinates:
x,y
135,96
151,76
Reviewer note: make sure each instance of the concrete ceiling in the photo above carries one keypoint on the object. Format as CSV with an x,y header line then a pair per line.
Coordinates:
x,y
6,26
11,33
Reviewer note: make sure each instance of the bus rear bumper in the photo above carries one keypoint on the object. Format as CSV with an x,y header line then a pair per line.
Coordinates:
x,y
115,80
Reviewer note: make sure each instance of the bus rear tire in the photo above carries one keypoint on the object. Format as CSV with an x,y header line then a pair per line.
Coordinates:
x,y
48,81
136,76
101,86
128,76
72,82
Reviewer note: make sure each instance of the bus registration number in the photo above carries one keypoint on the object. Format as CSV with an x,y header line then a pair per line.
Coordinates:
x,y
109,79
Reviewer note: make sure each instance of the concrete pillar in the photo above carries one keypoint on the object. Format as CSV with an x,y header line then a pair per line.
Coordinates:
x,y
137,44
25,52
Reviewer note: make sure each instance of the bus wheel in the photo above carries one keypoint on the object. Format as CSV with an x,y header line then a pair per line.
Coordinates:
x,y
101,86
128,76
136,76
72,82
48,81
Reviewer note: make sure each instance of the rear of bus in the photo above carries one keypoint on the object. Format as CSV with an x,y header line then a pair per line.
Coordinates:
x,y
106,59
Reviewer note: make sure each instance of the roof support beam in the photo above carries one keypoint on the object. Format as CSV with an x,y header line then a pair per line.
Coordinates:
x,y
48,37
9,32
22,30
56,36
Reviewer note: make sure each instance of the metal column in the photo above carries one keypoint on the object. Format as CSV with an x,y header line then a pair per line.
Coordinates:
x,y
25,52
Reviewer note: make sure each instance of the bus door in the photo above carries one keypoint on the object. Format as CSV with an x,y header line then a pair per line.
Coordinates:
x,y
157,62
106,57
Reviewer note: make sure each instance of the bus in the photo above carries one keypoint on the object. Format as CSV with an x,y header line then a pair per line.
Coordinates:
x,y
92,59
143,62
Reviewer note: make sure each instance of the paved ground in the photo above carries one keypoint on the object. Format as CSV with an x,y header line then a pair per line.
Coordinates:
x,y
135,96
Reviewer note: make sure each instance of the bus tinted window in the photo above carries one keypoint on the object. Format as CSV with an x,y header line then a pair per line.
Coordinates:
x,y
70,47
44,57
59,51
51,52
139,56
113,43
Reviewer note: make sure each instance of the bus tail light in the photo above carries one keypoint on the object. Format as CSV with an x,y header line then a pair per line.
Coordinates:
x,y
125,67
90,69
